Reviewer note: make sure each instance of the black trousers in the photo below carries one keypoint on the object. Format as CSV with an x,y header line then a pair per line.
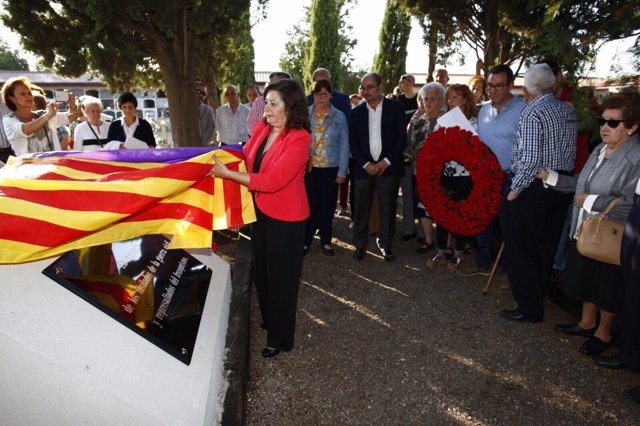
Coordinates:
x,y
387,187
531,225
277,266
322,193
630,262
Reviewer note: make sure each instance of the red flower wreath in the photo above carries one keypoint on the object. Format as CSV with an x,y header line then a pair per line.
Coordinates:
x,y
471,215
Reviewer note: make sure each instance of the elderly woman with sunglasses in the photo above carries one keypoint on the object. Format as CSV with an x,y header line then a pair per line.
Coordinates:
x,y
611,172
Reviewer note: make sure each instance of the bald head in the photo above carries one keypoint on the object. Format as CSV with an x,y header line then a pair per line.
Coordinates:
x,y
321,73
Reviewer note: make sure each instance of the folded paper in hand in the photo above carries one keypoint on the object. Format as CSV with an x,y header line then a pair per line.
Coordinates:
x,y
134,143
456,117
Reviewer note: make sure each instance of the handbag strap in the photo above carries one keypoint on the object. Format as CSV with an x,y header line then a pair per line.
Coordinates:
x,y
610,207
324,131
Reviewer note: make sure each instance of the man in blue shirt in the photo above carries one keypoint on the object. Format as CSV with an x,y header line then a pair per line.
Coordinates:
x,y
497,128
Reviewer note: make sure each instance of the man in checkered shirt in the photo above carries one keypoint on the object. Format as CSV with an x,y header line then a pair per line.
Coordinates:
x,y
532,215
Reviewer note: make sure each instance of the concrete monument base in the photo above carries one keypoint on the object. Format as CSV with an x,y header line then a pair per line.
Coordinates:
x,y
63,361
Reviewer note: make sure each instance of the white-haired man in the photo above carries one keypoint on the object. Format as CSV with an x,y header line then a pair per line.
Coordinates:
x,y
231,118
532,215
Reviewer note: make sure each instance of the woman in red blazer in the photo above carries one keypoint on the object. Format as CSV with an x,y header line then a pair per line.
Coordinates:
x,y
276,157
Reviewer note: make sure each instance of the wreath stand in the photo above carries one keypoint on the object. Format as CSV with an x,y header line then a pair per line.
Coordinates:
x,y
493,270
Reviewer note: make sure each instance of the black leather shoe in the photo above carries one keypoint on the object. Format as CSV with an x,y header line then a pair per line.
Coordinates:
x,y
614,362
388,255
594,346
328,251
517,315
633,394
424,248
575,329
407,237
358,254
268,352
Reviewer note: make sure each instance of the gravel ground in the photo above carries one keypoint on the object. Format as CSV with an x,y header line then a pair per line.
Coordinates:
x,y
396,344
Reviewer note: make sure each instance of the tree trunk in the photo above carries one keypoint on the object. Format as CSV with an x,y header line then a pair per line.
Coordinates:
x,y
433,51
175,58
492,34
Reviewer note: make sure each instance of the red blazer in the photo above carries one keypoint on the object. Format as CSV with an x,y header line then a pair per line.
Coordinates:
x,y
279,185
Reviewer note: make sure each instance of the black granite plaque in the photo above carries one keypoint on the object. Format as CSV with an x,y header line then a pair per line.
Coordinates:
x,y
156,292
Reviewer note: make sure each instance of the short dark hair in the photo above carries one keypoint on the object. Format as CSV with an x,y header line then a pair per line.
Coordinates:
x,y
628,103
127,97
499,69
320,84
255,86
295,103
376,77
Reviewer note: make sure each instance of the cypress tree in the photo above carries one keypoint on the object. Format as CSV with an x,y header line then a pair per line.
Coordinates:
x,y
390,62
324,40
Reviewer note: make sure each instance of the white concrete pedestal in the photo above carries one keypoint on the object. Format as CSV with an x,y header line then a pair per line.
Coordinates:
x,y
63,361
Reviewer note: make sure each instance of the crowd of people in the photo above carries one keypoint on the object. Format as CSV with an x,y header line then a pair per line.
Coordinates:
x,y
550,181
309,155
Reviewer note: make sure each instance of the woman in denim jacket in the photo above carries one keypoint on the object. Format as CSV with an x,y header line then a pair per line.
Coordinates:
x,y
328,164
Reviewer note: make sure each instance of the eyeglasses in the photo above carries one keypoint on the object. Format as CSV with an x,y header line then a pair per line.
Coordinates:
x,y
611,123
369,87
496,86
201,92
321,94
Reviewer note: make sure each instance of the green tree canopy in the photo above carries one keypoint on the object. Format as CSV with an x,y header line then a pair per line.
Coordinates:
x,y
521,31
129,42
10,60
228,59
321,40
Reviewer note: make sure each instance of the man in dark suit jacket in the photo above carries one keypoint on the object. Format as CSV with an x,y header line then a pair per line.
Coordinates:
x,y
377,138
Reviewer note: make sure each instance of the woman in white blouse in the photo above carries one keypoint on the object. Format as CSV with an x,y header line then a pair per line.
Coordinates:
x,y
91,134
26,130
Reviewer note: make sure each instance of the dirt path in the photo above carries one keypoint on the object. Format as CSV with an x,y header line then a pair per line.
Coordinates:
x,y
382,343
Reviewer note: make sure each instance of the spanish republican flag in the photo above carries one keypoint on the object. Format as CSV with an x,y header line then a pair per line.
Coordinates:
x,y
54,202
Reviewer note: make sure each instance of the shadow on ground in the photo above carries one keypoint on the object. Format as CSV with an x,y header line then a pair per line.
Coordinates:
x,y
396,344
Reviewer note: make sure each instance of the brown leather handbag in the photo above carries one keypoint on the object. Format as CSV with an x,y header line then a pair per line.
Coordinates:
x,y
600,239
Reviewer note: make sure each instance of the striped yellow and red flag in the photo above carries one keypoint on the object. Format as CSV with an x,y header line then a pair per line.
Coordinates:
x,y
55,202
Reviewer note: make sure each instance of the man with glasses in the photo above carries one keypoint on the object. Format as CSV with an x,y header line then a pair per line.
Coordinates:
x,y
497,128
532,214
207,120
377,138
231,118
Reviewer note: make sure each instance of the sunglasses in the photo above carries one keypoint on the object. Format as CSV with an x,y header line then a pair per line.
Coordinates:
x,y
612,123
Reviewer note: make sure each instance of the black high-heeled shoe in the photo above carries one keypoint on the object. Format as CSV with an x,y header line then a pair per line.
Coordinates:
x,y
268,352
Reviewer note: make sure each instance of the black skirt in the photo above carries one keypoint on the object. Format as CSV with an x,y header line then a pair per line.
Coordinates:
x,y
587,280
